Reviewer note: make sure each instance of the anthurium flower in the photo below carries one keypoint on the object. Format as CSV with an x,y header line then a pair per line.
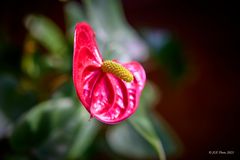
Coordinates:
x,y
109,90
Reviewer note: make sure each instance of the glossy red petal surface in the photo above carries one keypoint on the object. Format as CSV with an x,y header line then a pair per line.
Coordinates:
x,y
106,97
86,62
85,38
114,100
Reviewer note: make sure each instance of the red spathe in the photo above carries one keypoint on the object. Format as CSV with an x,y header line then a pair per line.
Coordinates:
x,y
105,96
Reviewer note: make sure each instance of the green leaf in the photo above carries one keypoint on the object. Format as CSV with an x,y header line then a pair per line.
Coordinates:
x,y
114,34
153,129
84,136
124,140
47,33
53,129
38,123
50,36
143,125
170,141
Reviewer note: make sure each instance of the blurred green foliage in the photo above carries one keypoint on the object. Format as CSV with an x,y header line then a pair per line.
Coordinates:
x,y
57,128
40,115
167,51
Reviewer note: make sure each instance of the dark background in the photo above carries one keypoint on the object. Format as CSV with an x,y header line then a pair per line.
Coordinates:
x,y
204,107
